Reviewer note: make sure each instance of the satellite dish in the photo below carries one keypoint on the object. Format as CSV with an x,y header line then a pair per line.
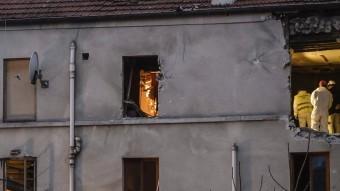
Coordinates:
x,y
34,68
35,72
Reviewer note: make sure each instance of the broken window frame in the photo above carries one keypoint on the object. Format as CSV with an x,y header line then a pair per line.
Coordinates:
x,y
142,162
132,68
26,159
311,155
4,101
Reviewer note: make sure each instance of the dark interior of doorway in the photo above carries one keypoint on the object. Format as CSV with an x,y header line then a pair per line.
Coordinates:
x,y
307,78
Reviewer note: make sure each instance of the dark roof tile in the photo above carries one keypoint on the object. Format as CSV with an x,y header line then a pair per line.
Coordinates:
x,y
45,9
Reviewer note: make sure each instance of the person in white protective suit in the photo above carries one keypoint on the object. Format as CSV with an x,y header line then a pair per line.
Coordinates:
x,y
321,100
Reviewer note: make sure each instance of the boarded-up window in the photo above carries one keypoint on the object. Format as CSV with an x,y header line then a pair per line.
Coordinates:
x,y
141,174
19,93
141,75
19,174
314,173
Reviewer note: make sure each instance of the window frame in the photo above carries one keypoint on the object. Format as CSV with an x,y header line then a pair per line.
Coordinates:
x,y
310,156
25,159
141,163
4,90
131,60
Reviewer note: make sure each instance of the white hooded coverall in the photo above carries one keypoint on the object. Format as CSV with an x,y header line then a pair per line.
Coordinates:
x,y
321,100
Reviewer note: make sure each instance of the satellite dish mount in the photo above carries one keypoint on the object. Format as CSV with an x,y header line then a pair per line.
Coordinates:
x,y
35,72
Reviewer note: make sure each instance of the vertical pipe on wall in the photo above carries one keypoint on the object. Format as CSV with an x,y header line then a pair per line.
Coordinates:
x,y
72,70
234,167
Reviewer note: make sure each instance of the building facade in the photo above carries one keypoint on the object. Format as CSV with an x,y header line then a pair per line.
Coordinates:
x,y
221,79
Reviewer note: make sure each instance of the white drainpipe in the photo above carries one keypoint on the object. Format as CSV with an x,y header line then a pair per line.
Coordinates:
x,y
235,182
72,152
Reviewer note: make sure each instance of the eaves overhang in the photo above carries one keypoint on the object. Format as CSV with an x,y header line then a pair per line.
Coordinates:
x,y
274,7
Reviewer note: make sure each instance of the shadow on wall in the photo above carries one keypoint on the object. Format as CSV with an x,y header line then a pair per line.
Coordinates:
x,y
50,166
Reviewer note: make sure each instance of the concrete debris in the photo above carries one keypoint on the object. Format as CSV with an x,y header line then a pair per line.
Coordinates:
x,y
303,133
222,2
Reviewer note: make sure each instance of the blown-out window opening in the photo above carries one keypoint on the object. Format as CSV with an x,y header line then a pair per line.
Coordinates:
x,y
315,73
141,74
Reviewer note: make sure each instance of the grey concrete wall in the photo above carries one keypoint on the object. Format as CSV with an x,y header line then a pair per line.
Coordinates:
x,y
219,67
191,157
49,145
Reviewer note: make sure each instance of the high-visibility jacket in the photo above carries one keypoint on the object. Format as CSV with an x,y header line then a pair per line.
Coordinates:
x,y
301,103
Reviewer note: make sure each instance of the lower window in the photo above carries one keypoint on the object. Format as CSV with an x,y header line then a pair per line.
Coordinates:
x,y
314,173
141,174
19,174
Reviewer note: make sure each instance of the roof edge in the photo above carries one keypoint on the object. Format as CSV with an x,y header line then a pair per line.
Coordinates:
x,y
283,7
